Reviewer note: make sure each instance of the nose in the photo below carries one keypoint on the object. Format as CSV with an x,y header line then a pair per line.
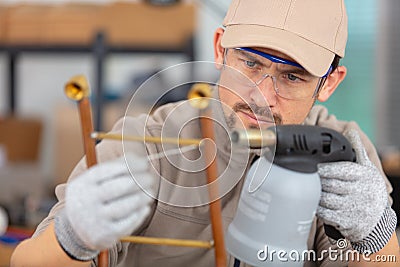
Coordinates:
x,y
264,93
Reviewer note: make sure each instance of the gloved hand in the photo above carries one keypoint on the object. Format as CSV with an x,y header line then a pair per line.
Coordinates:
x,y
354,200
102,205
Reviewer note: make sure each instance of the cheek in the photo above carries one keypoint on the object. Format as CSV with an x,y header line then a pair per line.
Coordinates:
x,y
294,112
227,97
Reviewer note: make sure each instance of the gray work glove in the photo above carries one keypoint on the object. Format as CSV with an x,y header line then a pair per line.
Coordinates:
x,y
354,200
103,204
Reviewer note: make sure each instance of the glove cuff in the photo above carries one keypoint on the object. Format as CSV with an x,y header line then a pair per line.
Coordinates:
x,y
70,241
380,235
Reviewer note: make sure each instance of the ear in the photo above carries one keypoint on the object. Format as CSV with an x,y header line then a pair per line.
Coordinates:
x,y
218,49
331,83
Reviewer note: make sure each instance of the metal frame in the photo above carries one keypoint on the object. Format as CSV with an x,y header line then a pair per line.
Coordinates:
x,y
99,48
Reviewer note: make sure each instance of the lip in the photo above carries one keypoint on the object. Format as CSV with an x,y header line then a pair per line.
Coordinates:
x,y
254,119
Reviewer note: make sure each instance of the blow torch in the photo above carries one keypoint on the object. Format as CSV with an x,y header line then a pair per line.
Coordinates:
x,y
278,201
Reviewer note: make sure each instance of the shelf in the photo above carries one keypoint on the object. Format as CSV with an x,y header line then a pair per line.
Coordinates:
x,y
100,30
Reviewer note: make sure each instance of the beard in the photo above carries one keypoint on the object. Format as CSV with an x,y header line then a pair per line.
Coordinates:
x,y
251,108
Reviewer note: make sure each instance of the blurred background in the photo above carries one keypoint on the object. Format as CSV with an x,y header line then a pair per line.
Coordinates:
x,y
117,45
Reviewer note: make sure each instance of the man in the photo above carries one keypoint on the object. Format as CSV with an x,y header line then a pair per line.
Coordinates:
x,y
289,50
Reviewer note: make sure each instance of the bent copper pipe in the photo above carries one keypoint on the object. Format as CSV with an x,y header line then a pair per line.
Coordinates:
x,y
199,97
77,89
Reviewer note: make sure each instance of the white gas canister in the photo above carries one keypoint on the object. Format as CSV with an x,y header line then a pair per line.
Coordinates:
x,y
274,216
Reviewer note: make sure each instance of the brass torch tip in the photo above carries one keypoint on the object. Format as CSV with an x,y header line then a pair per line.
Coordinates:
x,y
199,95
77,88
253,137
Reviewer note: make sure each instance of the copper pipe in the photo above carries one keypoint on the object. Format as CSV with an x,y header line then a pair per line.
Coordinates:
x,y
215,206
199,96
168,241
147,139
77,89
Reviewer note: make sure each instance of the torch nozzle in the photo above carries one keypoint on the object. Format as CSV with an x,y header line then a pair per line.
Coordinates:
x,y
254,138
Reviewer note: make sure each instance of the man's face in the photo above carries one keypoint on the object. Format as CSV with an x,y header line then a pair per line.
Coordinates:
x,y
260,106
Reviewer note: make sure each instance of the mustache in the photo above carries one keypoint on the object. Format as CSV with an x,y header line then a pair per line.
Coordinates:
x,y
257,110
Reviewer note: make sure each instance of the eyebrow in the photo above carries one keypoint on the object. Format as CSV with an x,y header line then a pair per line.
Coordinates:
x,y
286,68
276,59
250,57
291,69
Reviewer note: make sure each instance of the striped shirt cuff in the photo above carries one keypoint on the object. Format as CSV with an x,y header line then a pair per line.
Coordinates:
x,y
380,235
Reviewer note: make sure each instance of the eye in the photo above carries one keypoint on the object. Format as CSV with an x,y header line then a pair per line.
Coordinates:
x,y
292,77
250,64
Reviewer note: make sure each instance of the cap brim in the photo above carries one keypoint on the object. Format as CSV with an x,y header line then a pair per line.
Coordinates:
x,y
314,58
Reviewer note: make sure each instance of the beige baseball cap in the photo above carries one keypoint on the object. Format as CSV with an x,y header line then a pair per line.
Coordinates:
x,y
309,31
